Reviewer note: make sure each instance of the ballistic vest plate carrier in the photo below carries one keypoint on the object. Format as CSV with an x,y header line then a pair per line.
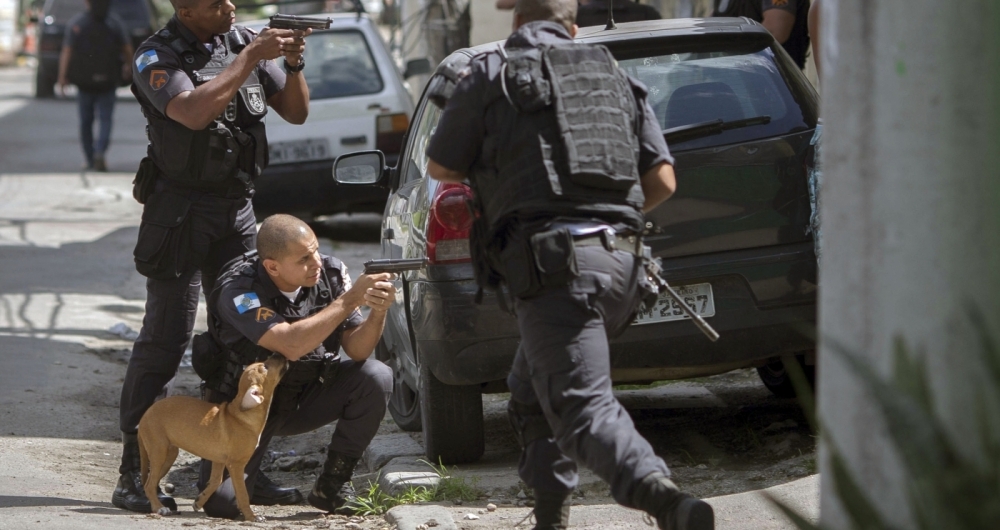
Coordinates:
x,y
235,141
571,148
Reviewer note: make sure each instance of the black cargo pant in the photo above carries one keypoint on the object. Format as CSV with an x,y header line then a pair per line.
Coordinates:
x,y
356,399
222,228
563,365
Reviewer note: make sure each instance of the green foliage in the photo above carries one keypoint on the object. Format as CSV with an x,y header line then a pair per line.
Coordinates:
x,y
452,488
373,500
945,487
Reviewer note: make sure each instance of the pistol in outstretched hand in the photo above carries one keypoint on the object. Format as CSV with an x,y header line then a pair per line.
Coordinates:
x,y
376,266
280,21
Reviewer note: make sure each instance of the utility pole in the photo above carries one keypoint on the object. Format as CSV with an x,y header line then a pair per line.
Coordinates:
x,y
911,219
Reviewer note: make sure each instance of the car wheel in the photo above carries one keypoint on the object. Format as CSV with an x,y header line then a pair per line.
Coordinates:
x,y
44,84
452,420
776,379
404,405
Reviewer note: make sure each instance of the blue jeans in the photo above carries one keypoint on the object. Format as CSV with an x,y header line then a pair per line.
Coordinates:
x,y
104,103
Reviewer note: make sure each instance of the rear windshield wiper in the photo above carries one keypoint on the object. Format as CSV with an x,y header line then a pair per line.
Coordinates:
x,y
708,128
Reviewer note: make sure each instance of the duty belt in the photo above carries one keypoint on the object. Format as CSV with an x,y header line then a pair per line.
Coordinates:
x,y
611,241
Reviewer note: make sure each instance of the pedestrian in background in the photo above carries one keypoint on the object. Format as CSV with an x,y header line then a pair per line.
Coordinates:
x,y
785,19
560,194
94,58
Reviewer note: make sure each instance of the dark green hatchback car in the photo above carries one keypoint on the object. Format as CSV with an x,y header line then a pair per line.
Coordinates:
x,y
738,116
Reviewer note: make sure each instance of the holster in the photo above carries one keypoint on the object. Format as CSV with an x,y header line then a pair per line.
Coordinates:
x,y
145,180
220,369
162,251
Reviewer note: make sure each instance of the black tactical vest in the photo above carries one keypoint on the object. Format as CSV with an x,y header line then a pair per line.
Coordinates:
x,y
245,273
235,142
570,148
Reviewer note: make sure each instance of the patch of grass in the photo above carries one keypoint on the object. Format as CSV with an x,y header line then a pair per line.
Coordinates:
x,y
451,488
373,500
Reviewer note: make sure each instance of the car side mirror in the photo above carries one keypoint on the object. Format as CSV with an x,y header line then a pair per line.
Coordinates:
x,y
360,168
417,67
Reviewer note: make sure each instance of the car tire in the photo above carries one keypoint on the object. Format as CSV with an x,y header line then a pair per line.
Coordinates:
x,y
44,84
776,379
452,420
404,404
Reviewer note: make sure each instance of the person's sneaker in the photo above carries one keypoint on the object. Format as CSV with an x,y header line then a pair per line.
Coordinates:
x,y
130,496
267,493
99,164
333,491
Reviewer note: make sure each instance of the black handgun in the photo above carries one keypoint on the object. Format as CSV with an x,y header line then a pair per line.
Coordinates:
x,y
376,266
280,21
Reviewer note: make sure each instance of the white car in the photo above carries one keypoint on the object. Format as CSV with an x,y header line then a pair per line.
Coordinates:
x,y
358,101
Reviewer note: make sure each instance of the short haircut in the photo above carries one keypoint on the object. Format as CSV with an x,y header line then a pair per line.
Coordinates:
x,y
558,11
276,232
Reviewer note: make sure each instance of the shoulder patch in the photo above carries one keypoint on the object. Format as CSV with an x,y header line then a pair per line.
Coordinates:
x,y
246,302
146,59
264,314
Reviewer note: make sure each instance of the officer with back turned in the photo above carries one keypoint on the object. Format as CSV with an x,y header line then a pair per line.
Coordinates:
x,y
204,85
564,155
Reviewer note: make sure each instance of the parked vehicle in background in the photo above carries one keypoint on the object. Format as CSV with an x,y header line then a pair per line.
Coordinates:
x,y
357,101
138,16
9,45
738,116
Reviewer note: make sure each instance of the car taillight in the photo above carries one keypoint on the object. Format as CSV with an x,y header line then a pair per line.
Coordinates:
x,y
389,131
448,228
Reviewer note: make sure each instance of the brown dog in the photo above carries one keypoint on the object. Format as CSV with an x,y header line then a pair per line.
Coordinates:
x,y
225,434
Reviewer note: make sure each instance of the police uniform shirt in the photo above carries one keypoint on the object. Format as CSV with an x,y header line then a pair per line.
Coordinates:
x,y
798,40
246,313
457,142
158,73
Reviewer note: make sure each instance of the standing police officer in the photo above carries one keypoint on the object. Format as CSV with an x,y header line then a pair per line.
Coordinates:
x,y
564,154
289,299
204,85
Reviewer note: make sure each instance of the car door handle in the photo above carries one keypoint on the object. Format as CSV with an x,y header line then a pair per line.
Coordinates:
x,y
374,106
353,140
388,234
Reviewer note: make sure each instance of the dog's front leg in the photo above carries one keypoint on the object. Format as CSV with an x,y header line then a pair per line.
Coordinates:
x,y
240,488
214,480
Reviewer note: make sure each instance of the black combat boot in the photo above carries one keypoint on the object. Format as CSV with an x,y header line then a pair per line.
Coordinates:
x,y
129,494
267,493
673,510
551,510
333,491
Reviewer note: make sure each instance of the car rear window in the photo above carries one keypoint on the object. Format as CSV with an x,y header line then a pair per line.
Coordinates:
x,y
340,64
692,88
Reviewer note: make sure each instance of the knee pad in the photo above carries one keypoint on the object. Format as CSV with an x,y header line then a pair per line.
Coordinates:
x,y
528,421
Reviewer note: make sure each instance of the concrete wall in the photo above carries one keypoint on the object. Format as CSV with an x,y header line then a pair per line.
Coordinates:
x,y
911,214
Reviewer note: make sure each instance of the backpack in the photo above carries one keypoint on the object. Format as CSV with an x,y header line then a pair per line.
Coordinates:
x,y
96,63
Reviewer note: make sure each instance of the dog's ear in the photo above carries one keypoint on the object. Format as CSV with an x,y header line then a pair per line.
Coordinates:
x,y
252,398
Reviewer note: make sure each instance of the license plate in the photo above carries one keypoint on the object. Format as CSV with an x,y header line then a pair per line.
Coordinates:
x,y
299,151
698,297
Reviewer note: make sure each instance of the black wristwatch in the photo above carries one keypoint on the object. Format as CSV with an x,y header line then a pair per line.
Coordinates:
x,y
295,69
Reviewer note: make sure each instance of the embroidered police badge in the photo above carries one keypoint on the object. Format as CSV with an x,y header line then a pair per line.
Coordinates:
x,y
255,99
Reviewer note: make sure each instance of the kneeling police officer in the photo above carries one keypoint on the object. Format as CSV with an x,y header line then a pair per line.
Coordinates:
x,y
564,155
288,298
204,86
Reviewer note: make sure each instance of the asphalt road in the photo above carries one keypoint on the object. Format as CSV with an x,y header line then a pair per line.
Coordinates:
x,y
66,278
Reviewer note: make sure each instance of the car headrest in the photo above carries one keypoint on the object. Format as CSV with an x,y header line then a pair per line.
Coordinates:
x,y
703,102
